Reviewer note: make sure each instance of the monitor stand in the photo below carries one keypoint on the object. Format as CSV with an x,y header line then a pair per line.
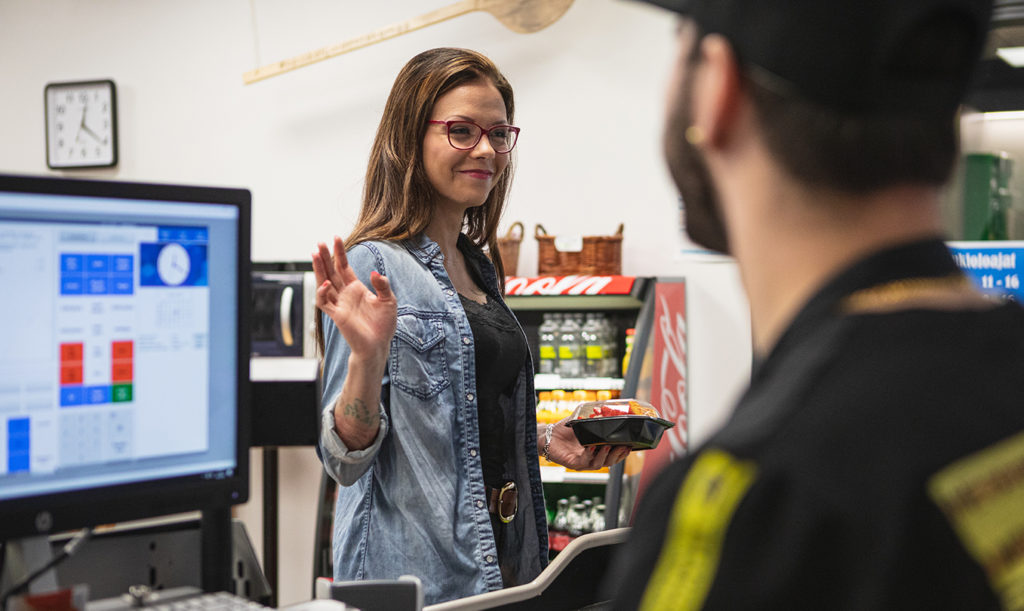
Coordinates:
x,y
215,563
22,557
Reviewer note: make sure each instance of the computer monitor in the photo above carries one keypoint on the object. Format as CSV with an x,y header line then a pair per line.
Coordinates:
x,y
124,367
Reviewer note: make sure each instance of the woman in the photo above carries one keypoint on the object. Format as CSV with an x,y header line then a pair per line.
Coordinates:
x,y
429,408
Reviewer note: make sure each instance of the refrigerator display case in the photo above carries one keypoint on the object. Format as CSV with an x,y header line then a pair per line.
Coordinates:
x,y
652,312
656,372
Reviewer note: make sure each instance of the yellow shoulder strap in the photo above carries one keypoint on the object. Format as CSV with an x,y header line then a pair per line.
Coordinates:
x,y
696,529
982,495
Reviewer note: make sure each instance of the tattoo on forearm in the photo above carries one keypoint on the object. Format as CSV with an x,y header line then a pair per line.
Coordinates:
x,y
357,409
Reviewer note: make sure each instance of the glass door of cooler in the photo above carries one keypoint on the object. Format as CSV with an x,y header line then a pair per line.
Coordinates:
x,y
650,318
579,329
658,373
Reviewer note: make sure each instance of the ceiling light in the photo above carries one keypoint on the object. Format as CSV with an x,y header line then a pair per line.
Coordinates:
x,y
1004,115
1012,55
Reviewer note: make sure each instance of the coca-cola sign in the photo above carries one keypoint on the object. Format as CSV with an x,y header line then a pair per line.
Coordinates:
x,y
669,379
569,285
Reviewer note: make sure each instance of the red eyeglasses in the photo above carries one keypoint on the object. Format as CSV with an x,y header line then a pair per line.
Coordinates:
x,y
465,135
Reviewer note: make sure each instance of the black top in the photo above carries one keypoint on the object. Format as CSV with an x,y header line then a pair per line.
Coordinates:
x,y
500,351
849,476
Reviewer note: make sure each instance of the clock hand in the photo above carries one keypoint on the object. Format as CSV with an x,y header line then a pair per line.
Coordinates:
x,y
81,124
85,128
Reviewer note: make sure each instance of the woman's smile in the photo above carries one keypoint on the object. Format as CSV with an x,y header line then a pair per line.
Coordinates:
x,y
478,173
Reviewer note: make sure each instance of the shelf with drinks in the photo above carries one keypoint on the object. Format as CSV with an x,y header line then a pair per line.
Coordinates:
x,y
580,341
578,355
563,498
578,345
571,517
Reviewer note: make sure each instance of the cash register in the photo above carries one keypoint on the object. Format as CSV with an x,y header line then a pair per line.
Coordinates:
x,y
125,371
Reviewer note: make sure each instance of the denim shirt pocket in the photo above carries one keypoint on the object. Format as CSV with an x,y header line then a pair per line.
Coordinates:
x,y
418,362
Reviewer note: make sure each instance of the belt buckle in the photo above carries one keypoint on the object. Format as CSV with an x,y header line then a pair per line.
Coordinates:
x,y
509,488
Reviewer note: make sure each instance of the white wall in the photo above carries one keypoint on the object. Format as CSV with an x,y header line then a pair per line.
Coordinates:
x,y
589,101
589,97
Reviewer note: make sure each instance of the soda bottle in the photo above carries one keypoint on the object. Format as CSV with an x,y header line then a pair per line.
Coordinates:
x,y
629,350
558,531
570,352
547,345
594,502
561,520
597,523
593,347
579,522
610,367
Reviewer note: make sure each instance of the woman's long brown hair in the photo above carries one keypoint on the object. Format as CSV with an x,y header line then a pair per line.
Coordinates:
x,y
398,199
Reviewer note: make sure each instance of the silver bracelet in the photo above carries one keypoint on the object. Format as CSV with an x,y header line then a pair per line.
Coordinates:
x,y
547,439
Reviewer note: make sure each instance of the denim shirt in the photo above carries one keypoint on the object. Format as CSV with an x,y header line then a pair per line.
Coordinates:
x,y
413,503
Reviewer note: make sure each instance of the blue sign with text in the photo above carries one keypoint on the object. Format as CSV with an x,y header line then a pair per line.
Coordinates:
x,y
996,267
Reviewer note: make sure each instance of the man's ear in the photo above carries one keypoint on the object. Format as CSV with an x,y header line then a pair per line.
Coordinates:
x,y
717,91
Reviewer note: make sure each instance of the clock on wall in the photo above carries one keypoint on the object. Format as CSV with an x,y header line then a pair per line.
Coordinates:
x,y
81,124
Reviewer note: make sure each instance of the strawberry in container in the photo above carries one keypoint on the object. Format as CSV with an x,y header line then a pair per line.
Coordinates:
x,y
619,422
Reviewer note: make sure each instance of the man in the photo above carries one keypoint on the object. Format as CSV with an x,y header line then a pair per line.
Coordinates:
x,y
877,459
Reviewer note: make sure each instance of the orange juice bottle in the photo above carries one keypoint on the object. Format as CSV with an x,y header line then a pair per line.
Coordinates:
x,y
559,404
545,407
578,396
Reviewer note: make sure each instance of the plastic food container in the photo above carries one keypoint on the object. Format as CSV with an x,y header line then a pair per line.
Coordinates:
x,y
621,422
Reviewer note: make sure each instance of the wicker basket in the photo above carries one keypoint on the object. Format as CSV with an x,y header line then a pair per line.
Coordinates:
x,y
508,245
598,255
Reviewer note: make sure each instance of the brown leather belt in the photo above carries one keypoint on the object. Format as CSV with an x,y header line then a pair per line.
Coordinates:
x,y
503,502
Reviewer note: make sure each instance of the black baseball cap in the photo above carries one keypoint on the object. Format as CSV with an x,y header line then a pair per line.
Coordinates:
x,y
858,56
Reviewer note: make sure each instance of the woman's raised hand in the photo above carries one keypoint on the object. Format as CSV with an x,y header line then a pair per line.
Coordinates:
x,y
367,321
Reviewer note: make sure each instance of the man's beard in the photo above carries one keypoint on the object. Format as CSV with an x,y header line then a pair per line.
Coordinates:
x,y
686,164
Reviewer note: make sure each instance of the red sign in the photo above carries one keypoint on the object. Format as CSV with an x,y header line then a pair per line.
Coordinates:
x,y
569,285
669,379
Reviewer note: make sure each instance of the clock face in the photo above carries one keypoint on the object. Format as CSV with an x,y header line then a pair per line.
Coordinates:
x,y
81,124
173,264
